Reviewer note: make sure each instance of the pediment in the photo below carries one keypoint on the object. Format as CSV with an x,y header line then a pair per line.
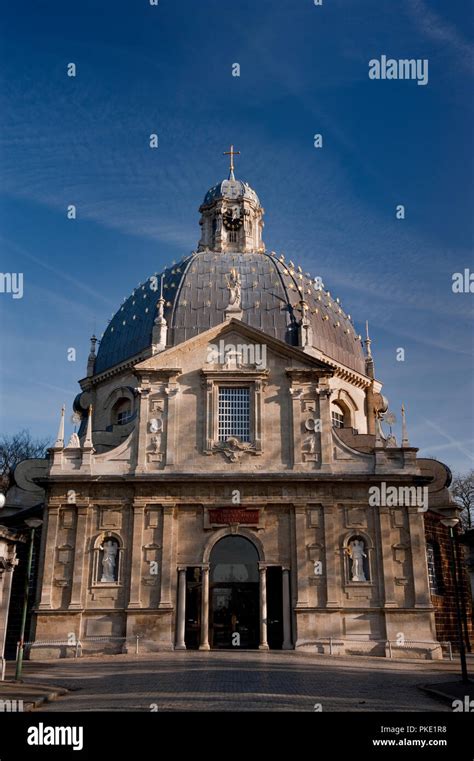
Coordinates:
x,y
232,331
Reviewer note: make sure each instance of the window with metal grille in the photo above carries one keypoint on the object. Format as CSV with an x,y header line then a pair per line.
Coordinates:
x,y
337,419
232,236
434,576
234,413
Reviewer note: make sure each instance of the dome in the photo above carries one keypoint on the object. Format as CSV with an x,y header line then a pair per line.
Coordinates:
x,y
196,294
230,189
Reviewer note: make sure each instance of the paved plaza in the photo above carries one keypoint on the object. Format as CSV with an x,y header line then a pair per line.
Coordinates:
x,y
244,681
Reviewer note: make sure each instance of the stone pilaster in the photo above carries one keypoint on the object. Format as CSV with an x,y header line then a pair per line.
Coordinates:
x,y
77,589
326,424
141,454
52,513
418,556
168,542
296,395
172,391
387,558
299,518
136,556
332,558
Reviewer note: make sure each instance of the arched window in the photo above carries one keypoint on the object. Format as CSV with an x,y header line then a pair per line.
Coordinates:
x,y
122,411
234,559
107,560
340,415
433,561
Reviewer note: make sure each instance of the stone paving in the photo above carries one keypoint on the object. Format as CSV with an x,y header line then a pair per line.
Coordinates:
x,y
244,681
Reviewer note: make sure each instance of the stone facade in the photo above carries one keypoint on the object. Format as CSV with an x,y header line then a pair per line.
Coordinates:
x,y
139,502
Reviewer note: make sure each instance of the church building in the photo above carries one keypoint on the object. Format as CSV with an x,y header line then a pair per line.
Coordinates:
x,y
231,484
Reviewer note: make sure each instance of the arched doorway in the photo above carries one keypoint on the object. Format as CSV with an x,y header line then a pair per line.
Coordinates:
x,y
234,594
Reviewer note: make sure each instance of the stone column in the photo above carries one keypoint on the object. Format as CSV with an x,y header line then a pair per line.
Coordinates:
x,y
263,608
181,616
287,645
76,602
136,557
418,554
205,609
387,558
46,602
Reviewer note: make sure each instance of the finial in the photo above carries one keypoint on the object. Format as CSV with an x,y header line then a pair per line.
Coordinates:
x,y
91,358
160,317
88,440
160,326
367,340
231,153
405,442
93,343
60,437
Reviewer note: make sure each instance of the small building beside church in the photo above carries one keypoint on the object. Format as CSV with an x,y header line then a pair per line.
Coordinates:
x,y
231,484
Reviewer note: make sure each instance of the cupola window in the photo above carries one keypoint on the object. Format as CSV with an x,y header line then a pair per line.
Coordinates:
x,y
122,412
337,419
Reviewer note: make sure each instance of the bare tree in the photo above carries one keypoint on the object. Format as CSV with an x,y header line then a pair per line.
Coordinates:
x,y
462,489
15,448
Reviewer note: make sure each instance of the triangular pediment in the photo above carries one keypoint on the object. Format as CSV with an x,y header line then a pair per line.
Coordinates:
x,y
170,359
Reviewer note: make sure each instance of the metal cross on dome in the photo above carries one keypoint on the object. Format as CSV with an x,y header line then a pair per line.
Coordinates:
x,y
231,153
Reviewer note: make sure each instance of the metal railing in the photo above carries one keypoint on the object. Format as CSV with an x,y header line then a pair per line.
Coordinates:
x,y
335,642
413,643
79,643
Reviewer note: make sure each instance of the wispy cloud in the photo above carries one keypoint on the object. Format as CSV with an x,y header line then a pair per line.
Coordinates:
x,y
441,31
453,443
78,284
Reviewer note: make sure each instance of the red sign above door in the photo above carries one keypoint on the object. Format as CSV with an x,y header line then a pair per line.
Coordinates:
x,y
229,515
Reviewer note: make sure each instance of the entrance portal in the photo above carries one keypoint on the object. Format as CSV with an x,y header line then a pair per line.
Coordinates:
x,y
234,594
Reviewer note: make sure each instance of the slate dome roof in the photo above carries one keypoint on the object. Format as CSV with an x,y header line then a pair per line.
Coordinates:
x,y
196,295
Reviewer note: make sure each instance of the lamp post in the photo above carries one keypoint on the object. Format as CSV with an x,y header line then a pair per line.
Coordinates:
x,y
451,523
33,524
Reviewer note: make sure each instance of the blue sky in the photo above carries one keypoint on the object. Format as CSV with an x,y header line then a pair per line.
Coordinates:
x,y
304,70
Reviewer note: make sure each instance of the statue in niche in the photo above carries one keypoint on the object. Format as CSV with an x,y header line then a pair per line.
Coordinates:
x,y
71,497
156,444
357,555
234,287
109,560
